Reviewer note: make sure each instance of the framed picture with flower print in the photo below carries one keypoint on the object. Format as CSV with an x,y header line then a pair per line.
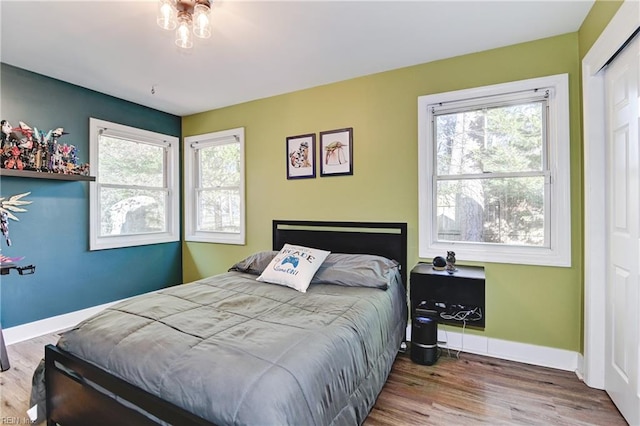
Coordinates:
x,y
336,152
301,156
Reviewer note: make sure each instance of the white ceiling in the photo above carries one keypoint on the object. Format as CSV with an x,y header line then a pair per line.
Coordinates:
x,y
259,48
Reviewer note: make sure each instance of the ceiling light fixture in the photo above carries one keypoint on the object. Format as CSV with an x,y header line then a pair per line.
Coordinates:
x,y
188,16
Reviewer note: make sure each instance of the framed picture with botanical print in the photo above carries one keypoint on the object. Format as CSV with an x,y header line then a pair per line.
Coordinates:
x,y
336,152
301,156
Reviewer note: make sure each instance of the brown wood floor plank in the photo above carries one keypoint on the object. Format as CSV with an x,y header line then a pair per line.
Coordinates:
x,y
478,390
469,390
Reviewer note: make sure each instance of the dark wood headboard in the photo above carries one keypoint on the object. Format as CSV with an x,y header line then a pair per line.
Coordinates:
x,y
388,239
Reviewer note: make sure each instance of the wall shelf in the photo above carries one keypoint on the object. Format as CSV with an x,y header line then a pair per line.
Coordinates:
x,y
45,175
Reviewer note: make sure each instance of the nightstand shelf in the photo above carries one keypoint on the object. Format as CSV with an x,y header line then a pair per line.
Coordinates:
x,y
456,298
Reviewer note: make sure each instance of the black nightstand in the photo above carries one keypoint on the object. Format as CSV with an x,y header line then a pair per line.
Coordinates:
x,y
455,298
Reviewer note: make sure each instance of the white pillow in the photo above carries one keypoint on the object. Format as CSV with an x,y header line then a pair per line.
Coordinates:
x,y
294,266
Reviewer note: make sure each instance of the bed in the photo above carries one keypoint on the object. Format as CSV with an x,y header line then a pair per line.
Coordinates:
x,y
229,349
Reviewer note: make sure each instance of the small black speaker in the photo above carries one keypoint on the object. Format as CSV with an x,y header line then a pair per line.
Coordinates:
x,y
424,340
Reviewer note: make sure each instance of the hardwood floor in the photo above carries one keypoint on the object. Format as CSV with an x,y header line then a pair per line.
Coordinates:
x,y
471,390
474,390
15,383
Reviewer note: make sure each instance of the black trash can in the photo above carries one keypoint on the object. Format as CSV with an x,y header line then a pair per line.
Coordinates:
x,y
424,340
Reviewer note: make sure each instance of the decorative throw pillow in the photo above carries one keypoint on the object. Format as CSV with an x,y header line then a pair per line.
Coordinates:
x,y
294,266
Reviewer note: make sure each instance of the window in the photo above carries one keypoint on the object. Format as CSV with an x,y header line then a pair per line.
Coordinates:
x,y
135,198
494,173
214,187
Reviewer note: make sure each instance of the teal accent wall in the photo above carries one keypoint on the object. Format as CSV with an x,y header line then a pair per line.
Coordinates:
x,y
54,232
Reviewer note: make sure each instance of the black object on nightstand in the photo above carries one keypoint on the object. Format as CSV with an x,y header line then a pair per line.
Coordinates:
x,y
457,298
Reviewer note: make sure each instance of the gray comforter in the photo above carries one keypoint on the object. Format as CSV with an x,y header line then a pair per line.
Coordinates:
x,y
236,351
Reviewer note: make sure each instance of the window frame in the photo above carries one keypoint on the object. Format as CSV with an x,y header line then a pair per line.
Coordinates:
x,y
171,185
557,210
191,144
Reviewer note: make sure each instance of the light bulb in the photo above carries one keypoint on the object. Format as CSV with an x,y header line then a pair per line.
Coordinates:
x,y
201,24
166,15
183,33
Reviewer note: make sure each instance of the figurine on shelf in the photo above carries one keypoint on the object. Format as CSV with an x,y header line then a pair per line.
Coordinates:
x,y
24,129
5,134
451,262
14,161
8,141
27,148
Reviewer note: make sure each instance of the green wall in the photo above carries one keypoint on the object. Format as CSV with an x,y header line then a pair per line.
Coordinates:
x,y
599,16
537,305
528,304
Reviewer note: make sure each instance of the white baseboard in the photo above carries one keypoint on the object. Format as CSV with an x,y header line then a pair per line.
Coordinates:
x,y
543,356
30,330
50,325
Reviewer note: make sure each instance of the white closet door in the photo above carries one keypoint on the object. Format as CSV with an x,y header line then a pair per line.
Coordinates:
x,y
622,372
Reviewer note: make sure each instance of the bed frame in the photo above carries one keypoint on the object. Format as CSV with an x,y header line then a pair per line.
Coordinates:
x,y
79,393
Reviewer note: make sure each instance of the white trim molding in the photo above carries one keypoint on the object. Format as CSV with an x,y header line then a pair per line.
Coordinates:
x,y
556,250
620,28
543,356
169,188
193,186
50,325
